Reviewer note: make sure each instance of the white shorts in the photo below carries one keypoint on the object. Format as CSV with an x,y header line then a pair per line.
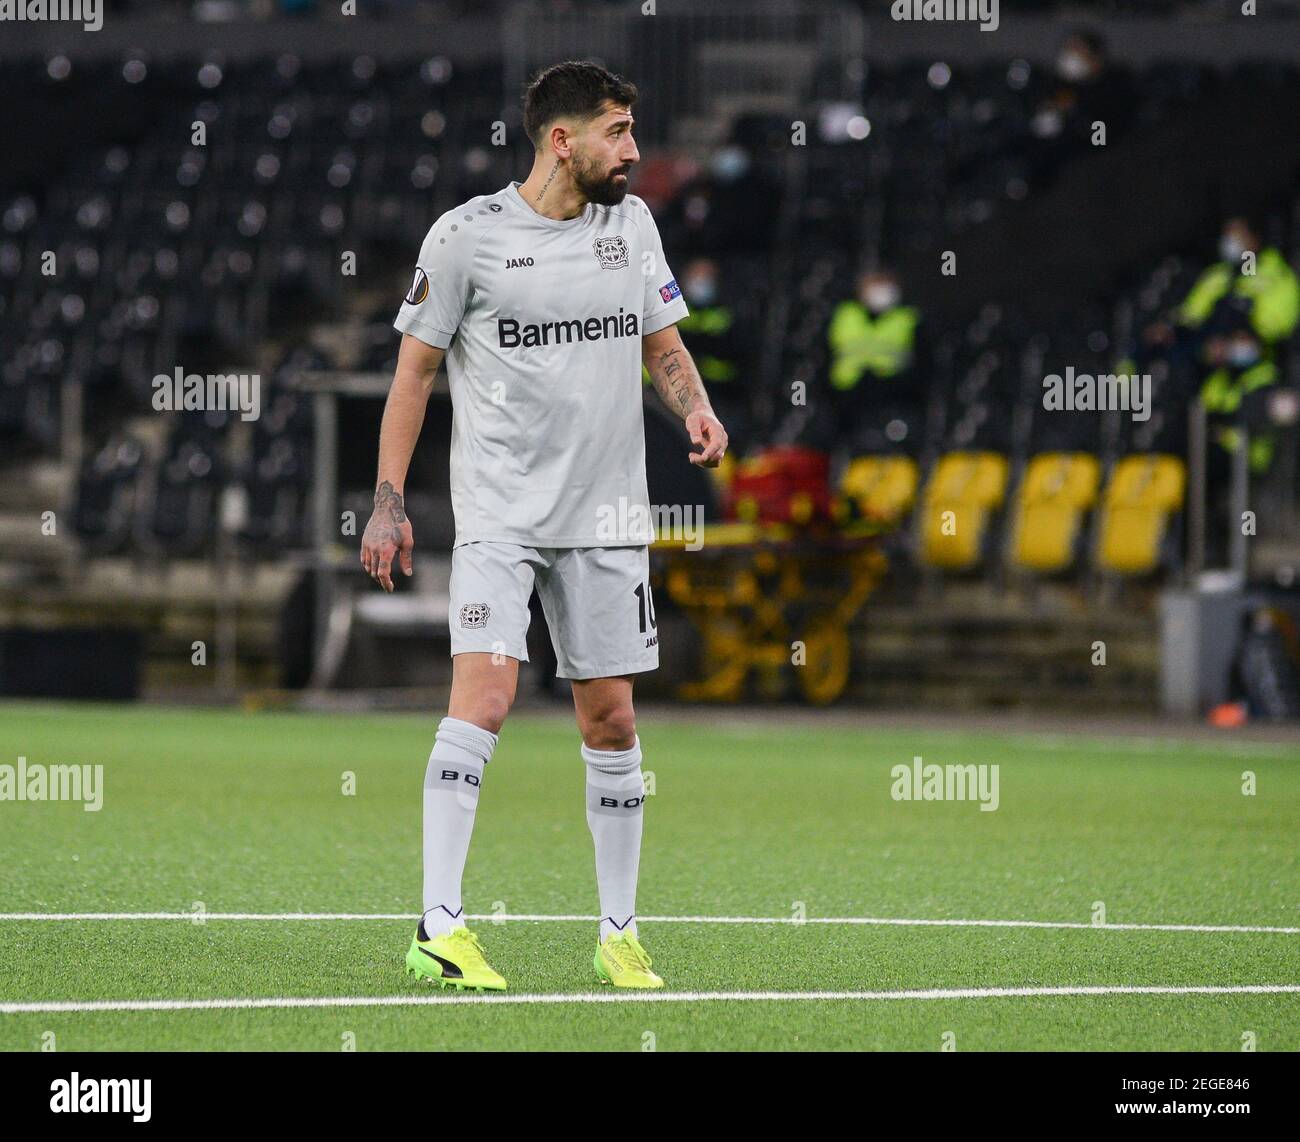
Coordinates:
x,y
596,600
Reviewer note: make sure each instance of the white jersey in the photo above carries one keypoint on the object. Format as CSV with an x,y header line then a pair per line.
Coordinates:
x,y
542,321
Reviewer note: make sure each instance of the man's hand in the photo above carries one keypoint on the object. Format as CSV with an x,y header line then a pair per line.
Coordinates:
x,y
706,431
677,381
387,534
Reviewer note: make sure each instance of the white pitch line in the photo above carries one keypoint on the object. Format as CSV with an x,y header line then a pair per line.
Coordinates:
x,y
203,917
629,997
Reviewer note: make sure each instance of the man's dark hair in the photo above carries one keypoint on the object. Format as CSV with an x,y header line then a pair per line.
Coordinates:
x,y
576,88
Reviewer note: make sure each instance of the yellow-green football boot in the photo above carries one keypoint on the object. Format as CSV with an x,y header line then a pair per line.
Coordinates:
x,y
622,961
453,960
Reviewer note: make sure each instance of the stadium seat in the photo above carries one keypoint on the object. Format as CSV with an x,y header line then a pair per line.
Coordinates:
x,y
963,490
1143,493
106,495
179,516
884,487
1048,511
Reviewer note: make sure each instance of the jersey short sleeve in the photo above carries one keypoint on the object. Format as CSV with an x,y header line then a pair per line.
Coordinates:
x,y
664,305
440,288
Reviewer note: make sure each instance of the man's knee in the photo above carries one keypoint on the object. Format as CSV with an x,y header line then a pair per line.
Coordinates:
x,y
609,727
483,690
485,707
490,712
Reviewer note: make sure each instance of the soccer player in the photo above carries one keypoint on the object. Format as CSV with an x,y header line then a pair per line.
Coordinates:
x,y
546,298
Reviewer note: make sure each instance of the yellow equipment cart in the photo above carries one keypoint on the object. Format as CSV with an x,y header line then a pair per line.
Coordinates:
x,y
765,597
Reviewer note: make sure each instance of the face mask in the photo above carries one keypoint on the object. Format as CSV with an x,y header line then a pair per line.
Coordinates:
x,y
1231,249
879,298
702,291
1072,67
1241,354
730,163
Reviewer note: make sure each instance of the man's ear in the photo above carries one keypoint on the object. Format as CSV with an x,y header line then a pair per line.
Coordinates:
x,y
561,142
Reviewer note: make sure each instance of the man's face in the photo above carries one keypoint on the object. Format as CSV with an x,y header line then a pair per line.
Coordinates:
x,y
700,281
1077,61
603,154
878,291
1237,238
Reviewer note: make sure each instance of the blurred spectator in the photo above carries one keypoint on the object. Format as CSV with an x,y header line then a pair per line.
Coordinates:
x,y
1086,90
722,340
1224,338
873,366
872,333
661,177
730,209
1237,320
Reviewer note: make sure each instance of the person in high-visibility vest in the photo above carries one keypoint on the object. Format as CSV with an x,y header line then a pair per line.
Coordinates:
x,y
1241,309
722,344
712,322
873,343
872,333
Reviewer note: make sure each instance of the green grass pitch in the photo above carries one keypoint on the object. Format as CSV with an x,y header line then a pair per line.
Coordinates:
x,y
751,817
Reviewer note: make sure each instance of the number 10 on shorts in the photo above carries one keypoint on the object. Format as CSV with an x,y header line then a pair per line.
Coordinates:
x,y
645,606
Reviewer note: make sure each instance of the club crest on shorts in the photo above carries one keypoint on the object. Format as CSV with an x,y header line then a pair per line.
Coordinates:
x,y
419,288
474,614
611,252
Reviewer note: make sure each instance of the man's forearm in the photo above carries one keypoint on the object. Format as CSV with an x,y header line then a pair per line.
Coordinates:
x,y
677,381
400,430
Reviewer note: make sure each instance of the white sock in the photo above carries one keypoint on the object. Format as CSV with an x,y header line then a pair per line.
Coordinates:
x,y
461,751
615,801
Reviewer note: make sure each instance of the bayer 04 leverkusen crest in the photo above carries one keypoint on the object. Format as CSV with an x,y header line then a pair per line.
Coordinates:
x,y
611,252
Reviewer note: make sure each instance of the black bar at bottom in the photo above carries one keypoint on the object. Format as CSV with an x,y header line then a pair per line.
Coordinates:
x,y
920,1090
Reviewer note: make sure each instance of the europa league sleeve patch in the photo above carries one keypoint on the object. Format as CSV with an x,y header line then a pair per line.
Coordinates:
x,y
419,288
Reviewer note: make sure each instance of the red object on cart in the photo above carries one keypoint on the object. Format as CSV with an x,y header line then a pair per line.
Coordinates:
x,y
782,485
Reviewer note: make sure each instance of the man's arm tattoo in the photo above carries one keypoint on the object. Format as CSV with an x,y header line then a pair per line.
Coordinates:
x,y
677,382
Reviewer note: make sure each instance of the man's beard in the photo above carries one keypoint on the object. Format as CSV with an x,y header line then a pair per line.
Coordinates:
x,y
603,190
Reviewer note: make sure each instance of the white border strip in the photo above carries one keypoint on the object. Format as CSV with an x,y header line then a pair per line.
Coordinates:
x,y
627,997
203,917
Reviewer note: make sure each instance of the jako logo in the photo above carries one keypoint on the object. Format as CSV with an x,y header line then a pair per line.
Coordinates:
x,y
189,392
946,783
76,1095
510,335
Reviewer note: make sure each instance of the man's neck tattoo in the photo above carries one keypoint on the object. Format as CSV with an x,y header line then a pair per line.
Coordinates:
x,y
546,185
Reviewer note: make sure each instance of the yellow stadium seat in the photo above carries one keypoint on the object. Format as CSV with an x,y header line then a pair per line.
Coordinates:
x,y
1056,491
884,487
964,488
1143,492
